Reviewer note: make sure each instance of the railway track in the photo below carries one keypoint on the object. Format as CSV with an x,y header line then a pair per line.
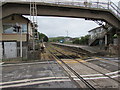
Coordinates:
x,y
88,57
73,71
76,50
54,51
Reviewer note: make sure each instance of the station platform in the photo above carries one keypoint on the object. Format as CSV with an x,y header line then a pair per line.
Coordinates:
x,y
90,49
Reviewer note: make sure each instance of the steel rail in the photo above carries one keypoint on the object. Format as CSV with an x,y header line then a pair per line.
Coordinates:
x,y
88,66
73,71
81,53
71,78
78,52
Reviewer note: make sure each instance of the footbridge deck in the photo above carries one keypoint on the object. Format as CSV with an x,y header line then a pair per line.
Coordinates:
x,y
105,11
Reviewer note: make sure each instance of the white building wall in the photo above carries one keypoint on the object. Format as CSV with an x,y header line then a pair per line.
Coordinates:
x,y
10,49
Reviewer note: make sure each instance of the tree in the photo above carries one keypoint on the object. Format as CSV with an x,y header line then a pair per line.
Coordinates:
x,y
43,36
56,39
82,40
76,41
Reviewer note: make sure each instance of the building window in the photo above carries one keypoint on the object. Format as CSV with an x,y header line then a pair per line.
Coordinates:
x,y
24,28
8,28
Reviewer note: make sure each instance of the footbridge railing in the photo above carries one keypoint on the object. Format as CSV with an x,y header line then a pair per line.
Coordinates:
x,y
95,4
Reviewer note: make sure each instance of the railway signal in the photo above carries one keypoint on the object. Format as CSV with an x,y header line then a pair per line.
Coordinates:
x,y
18,28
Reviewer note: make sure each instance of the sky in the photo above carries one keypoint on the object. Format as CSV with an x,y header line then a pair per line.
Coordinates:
x,y
59,26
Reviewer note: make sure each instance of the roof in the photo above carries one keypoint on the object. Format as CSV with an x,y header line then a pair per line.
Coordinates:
x,y
18,15
95,28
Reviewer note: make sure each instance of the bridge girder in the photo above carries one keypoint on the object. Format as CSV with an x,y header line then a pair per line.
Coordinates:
x,y
61,11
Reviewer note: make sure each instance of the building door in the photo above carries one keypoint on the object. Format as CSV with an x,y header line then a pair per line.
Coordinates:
x,y
10,49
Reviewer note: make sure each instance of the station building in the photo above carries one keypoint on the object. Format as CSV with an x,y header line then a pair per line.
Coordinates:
x,y
11,38
106,39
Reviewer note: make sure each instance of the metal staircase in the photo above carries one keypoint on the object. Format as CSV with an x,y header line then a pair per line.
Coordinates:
x,y
101,35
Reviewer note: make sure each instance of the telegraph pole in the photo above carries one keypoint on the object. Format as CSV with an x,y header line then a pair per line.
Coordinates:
x,y
67,33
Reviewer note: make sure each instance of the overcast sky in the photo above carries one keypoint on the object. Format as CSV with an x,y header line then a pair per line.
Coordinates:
x,y
58,26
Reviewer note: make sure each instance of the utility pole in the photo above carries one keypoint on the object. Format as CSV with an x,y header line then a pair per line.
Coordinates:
x,y
97,3
67,33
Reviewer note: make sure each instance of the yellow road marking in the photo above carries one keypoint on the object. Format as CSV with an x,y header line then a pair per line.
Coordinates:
x,y
95,59
81,60
59,61
99,58
67,61
72,61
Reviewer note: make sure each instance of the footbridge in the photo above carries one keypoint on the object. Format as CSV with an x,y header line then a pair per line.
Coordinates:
x,y
104,11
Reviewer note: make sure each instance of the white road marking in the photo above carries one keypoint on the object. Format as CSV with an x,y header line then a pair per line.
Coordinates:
x,y
25,64
113,72
90,60
115,76
1,63
73,76
92,75
27,80
33,83
93,78
96,76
